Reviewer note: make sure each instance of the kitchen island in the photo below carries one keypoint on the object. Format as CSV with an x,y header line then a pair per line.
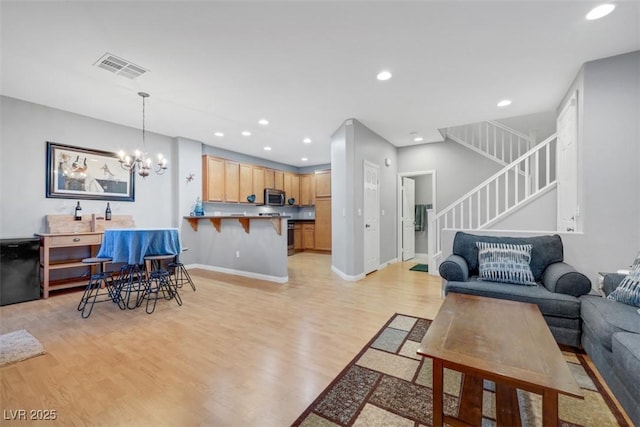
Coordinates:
x,y
245,245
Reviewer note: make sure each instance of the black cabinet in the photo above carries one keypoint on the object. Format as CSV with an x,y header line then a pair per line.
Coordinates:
x,y
19,275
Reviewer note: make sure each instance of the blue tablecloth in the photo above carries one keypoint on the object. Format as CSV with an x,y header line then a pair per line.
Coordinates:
x,y
131,245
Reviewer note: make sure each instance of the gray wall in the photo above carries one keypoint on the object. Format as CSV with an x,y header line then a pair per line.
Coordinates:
x,y
25,128
541,125
458,168
537,215
351,145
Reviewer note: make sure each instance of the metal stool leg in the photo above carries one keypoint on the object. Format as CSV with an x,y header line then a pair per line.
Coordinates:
x,y
181,275
159,282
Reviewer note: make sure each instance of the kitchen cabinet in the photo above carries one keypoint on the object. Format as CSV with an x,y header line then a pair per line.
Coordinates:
x,y
297,237
213,171
231,181
292,187
322,238
269,178
246,182
307,190
323,183
258,184
278,179
308,236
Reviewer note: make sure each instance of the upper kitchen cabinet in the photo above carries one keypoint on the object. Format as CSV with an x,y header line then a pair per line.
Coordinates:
x,y
231,181
292,187
213,172
278,180
323,183
307,190
246,182
258,184
269,178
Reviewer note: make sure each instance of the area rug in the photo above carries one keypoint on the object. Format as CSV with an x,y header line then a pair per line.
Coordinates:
x,y
420,267
388,384
17,346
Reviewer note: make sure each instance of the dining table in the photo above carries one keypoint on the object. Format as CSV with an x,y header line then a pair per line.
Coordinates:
x,y
132,245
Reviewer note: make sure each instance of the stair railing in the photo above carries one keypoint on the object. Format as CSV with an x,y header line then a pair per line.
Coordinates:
x,y
492,139
528,176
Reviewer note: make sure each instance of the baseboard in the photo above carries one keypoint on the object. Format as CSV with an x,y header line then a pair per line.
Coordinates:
x,y
242,273
347,277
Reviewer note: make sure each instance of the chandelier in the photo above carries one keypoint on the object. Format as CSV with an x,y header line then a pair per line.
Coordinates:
x,y
140,160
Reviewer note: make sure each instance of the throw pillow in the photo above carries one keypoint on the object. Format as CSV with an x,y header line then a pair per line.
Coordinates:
x,y
502,262
628,291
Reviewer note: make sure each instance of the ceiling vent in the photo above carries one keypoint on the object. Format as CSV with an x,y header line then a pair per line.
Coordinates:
x,y
119,66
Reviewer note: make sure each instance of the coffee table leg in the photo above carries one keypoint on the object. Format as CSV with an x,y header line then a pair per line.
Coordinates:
x,y
550,408
438,404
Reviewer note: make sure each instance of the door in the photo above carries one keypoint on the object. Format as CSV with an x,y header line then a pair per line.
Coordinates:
x,y
371,218
408,219
567,168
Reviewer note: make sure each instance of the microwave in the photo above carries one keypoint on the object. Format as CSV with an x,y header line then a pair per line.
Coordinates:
x,y
273,197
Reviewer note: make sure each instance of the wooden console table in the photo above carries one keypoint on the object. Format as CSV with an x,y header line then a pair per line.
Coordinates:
x,y
59,251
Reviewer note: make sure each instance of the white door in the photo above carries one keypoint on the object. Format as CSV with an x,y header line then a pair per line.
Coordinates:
x,y
408,218
371,218
567,167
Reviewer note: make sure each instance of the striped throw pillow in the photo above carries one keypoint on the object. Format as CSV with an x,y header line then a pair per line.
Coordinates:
x,y
502,262
628,291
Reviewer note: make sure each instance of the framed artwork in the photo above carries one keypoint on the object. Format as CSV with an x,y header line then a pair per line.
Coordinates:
x,y
83,173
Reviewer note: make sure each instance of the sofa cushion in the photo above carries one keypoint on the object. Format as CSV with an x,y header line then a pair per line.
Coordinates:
x,y
628,291
626,361
550,304
503,262
605,317
545,250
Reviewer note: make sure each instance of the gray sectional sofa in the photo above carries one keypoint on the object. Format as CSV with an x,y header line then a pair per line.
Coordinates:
x,y
557,293
611,337
608,331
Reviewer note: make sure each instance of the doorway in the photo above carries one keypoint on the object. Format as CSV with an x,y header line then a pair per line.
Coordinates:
x,y
424,184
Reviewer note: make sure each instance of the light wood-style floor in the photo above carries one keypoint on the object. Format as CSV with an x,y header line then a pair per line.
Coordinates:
x,y
239,352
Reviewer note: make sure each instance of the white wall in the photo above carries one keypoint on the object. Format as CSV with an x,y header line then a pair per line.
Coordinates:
x,y
538,215
25,129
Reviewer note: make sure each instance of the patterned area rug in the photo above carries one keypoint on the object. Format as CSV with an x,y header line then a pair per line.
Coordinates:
x,y
388,384
17,346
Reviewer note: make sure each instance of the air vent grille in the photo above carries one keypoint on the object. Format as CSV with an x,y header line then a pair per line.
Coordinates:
x,y
119,66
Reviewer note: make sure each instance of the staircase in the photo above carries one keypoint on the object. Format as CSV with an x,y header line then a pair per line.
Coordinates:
x,y
492,140
528,176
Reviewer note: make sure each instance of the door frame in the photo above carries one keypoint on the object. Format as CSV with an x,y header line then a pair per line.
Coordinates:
x,y
366,164
434,187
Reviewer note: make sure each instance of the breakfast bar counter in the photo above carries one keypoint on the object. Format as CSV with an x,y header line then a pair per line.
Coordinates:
x,y
245,245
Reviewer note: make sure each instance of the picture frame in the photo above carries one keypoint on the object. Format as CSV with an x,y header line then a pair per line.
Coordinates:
x,y
84,173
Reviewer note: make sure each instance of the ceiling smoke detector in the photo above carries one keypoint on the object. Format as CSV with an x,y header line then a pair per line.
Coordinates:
x,y
119,66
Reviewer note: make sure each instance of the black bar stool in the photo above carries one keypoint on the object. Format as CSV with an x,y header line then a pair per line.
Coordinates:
x,y
94,288
131,284
180,273
159,281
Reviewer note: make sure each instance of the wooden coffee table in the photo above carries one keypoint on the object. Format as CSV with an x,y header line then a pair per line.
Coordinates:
x,y
503,341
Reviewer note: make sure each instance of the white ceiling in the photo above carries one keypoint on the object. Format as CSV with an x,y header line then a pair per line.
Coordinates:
x,y
305,66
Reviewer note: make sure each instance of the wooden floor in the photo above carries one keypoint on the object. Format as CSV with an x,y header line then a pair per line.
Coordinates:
x,y
239,352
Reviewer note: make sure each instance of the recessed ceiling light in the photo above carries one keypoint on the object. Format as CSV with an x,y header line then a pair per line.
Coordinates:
x,y
304,159
600,11
383,75
219,134
307,140
263,122
504,103
246,133
418,139
267,148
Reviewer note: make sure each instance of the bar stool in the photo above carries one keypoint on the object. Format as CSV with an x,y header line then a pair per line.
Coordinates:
x,y
95,285
180,273
159,281
131,285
